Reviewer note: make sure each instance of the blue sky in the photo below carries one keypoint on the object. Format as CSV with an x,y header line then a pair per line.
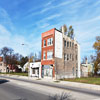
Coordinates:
x,y
23,21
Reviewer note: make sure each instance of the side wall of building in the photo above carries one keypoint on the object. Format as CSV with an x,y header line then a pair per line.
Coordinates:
x,y
67,67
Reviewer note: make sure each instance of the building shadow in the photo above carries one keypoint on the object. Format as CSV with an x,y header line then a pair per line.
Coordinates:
x,y
2,81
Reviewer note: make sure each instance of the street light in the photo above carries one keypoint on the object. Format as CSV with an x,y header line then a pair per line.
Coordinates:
x,y
28,61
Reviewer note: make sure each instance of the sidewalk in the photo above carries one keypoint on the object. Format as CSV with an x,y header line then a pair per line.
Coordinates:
x,y
64,83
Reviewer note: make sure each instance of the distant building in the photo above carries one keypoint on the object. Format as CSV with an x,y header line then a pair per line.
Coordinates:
x,y
2,65
60,56
9,68
87,69
25,67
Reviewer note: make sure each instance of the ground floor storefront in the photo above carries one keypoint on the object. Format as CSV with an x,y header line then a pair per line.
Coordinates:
x,y
35,69
48,71
51,71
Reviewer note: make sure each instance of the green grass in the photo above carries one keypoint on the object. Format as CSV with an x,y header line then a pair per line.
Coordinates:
x,y
57,81
13,73
89,80
38,79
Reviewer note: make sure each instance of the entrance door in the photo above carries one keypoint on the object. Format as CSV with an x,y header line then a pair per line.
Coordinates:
x,y
36,72
48,71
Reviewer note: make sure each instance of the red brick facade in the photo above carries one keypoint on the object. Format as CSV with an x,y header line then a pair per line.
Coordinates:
x,y
1,59
46,36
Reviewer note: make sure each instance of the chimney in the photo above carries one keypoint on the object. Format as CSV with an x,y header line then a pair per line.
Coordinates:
x,y
86,61
63,30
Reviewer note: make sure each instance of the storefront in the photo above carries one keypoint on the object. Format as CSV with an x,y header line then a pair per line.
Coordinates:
x,y
35,69
47,71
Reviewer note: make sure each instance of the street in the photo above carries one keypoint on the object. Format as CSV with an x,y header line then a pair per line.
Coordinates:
x,y
20,90
12,92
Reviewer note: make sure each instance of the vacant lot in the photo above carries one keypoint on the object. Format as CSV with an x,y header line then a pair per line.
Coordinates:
x,y
89,80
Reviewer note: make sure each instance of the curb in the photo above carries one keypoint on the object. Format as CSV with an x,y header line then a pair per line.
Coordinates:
x,y
65,83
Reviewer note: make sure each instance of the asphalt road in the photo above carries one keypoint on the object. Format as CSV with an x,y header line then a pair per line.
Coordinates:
x,y
12,92
75,89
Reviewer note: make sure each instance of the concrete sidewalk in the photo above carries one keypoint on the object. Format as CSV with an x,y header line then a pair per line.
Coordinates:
x,y
64,83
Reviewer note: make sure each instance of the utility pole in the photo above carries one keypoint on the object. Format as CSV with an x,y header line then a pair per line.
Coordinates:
x,y
28,61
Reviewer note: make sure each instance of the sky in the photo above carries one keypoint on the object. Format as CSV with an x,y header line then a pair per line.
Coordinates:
x,y
23,21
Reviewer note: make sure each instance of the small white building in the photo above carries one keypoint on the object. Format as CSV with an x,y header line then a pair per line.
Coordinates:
x,y
2,67
35,69
87,69
25,67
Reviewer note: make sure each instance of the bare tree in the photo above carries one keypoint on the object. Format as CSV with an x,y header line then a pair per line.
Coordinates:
x,y
39,55
9,57
6,52
84,60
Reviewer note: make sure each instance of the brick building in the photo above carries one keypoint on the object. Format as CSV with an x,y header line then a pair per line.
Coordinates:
x,y
60,55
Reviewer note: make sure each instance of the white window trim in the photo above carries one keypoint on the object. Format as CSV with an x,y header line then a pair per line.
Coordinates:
x,y
50,55
43,55
49,42
43,43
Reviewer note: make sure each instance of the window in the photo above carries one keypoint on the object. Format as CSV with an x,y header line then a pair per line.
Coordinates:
x,y
44,42
65,56
0,64
73,57
44,56
73,71
70,56
50,41
67,44
49,55
70,44
76,57
33,71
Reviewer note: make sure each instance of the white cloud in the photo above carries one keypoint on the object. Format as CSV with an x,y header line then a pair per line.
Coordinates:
x,y
45,8
53,16
89,21
15,41
4,31
5,19
49,3
45,25
44,22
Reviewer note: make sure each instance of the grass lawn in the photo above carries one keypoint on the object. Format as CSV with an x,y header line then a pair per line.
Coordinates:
x,y
20,74
89,80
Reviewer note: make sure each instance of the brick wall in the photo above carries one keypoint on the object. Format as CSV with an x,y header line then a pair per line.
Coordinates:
x,y
1,59
64,68
45,36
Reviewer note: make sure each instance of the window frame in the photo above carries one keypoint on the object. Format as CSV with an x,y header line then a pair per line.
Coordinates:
x,y
50,41
64,43
70,43
49,57
44,43
65,57
67,44
44,55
